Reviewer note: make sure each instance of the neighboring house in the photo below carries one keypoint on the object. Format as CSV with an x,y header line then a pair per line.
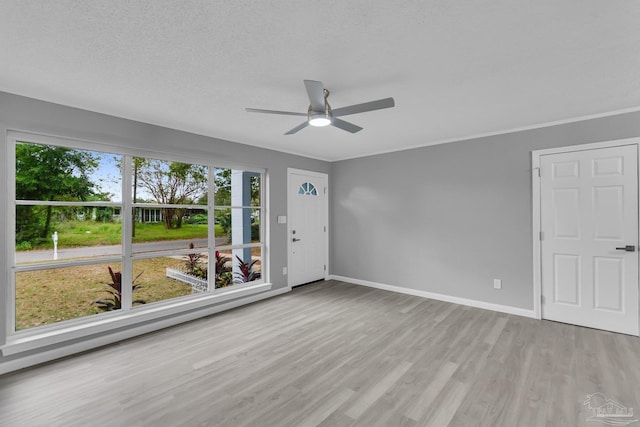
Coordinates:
x,y
145,215
151,215
148,215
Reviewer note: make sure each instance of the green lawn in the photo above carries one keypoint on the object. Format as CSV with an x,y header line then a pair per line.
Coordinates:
x,y
92,233
50,296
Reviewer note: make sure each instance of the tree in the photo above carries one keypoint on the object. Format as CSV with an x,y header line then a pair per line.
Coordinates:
x,y
223,188
138,163
223,197
172,183
49,173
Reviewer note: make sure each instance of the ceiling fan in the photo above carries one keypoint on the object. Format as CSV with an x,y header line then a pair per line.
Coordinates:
x,y
320,112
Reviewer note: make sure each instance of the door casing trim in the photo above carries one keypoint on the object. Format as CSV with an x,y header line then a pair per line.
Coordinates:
x,y
291,171
536,206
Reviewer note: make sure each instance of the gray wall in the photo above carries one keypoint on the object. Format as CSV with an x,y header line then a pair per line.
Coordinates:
x,y
450,218
24,114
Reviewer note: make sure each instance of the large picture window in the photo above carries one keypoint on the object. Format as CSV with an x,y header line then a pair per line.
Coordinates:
x,y
99,233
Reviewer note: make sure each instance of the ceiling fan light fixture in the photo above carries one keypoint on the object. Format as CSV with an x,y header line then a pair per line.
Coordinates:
x,y
319,119
320,114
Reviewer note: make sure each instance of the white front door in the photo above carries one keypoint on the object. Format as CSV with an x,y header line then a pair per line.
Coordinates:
x,y
589,214
307,231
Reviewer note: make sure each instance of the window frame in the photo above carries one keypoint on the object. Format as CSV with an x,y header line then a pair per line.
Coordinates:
x,y
14,341
260,208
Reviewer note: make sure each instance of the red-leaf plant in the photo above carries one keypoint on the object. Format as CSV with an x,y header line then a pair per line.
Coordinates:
x,y
223,271
114,302
246,273
193,264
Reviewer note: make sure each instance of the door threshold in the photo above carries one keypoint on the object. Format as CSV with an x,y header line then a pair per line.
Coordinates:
x,y
308,283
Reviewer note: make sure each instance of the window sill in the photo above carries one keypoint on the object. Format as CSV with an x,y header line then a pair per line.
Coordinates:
x,y
21,343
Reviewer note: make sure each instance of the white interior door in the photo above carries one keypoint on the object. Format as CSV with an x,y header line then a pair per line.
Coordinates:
x,y
589,209
307,226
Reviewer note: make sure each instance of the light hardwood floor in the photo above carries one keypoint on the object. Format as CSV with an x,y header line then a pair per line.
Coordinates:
x,y
335,354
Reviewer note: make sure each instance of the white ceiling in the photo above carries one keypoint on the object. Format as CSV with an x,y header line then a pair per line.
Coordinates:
x,y
455,68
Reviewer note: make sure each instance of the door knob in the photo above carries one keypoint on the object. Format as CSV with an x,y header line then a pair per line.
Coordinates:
x,y
295,240
628,248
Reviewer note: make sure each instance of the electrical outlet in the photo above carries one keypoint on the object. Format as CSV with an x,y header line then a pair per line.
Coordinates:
x,y
284,271
497,284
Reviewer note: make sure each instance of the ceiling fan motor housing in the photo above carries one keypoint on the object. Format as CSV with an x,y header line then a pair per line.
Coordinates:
x,y
320,118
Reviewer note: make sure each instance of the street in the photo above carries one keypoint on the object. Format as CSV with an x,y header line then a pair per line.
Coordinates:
x,y
24,257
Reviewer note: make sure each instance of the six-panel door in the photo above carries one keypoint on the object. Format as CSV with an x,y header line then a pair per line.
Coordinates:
x,y
589,208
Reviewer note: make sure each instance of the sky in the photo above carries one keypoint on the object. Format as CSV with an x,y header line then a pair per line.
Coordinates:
x,y
107,176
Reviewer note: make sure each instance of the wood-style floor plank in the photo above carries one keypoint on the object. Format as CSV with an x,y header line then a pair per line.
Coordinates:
x,y
335,354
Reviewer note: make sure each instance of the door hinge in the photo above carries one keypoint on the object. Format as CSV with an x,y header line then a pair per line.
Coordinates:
x,y
325,190
325,267
542,235
325,228
539,172
542,299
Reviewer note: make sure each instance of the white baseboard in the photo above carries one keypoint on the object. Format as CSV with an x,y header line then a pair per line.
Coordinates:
x,y
67,350
441,297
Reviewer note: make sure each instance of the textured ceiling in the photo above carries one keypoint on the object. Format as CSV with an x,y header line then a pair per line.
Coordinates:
x,y
455,68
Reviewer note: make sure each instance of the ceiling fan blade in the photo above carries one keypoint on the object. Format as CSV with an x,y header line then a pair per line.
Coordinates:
x,y
367,106
315,90
286,113
349,127
297,128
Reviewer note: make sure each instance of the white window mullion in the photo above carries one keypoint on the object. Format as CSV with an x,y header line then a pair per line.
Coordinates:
x,y
263,226
10,305
127,234
66,204
211,223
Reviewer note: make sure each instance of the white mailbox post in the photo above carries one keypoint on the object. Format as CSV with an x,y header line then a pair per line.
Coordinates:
x,y
55,245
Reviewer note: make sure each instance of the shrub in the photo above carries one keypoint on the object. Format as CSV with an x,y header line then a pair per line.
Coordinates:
x,y
24,246
104,214
223,276
197,219
255,232
225,222
224,279
114,302
246,273
193,264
